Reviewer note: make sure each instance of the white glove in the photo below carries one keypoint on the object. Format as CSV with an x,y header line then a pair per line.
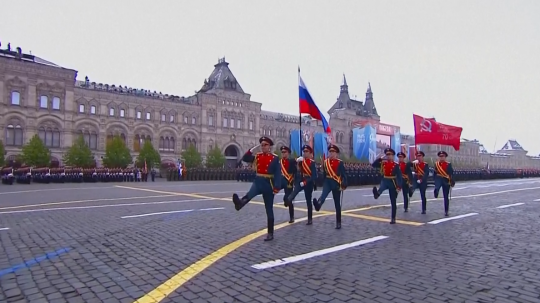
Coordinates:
x,y
418,181
253,148
415,161
302,184
413,173
299,159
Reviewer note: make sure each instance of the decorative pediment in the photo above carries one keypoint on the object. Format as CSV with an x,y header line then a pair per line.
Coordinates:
x,y
45,86
16,82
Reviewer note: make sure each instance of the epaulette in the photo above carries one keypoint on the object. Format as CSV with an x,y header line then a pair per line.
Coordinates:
x,y
274,154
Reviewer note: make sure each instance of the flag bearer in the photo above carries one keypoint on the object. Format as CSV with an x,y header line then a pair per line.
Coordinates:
x,y
406,173
392,179
305,180
444,173
288,172
420,171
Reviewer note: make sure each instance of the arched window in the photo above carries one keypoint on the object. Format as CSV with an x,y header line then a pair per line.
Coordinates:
x,y
43,102
56,103
137,143
166,143
90,138
187,141
14,135
49,136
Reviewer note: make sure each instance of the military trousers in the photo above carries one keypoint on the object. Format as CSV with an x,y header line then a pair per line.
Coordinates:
x,y
390,185
262,186
405,188
288,189
331,186
446,192
308,192
422,186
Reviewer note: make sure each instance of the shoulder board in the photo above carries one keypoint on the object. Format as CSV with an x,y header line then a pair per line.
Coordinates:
x,y
274,154
449,163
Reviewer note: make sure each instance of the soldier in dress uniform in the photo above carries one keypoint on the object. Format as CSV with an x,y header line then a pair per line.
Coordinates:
x,y
335,181
305,180
420,171
406,173
444,178
288,172
267,181
391,179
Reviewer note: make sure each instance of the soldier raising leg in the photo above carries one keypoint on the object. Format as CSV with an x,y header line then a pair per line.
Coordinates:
x,y
288,171
305,180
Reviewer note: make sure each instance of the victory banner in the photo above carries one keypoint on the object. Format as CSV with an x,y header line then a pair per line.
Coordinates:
x,y
365,143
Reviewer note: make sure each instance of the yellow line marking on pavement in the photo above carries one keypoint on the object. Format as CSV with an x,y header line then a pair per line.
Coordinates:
x,y
371,218
439,199
168,287
82,201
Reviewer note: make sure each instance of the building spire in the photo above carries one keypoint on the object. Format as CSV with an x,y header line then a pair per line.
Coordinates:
x,y
344,86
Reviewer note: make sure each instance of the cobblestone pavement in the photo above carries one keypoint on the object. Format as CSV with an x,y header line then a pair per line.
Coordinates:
x,y
119,242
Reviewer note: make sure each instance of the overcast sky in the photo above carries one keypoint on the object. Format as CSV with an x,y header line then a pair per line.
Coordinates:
x,y
468,63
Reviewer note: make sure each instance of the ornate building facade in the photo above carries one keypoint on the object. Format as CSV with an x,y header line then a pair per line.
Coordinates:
x,y
40,97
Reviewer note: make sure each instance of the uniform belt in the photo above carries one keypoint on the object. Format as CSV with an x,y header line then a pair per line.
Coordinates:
x,y
306,175
389,177
265,175
330,177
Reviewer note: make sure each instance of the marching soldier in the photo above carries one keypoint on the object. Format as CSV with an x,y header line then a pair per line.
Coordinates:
x,y
406,173
443,178
267,181
305,180
420,171
391,179
335,181
288,172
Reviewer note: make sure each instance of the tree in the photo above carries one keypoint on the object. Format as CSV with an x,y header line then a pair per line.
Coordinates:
x,y
79,154
35,153
214,158
2,152
117,154
149,154
191,157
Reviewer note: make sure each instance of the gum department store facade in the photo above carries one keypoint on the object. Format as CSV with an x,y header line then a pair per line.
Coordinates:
x,y
39,97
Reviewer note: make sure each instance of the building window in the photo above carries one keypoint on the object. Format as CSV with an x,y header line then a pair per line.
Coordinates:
x,y
90,139
250,125
111,111
43,102
14,135
147,116
225,122
193,120
93,110
139,114
211,120
81,108
238,124
163,117
56,103
122,113
166,144
171,118
231,124
185,119
15,98
50,137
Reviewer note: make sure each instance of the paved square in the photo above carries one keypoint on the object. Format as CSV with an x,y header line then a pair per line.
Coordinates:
x,y
184,242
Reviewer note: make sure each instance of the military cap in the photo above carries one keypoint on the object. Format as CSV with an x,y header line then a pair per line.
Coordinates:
x,y
442,153
308,148
285,148
420,153
267,140
402,154
389,151
333,147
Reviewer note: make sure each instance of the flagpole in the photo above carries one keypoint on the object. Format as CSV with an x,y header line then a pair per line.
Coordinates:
x,y
299,113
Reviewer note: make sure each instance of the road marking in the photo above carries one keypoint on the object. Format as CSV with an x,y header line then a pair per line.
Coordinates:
x,y
4,228
278,194
456,197
53,189
372,218
99,206
171,212
83,201
452,218
168,287
317,253
379,219
510,205
33,261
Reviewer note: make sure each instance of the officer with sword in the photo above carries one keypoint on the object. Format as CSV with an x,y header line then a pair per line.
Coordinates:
x,y
444,173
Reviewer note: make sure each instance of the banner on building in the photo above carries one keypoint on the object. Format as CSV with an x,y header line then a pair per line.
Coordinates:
x,y
320,145
395,142
365,143
295,142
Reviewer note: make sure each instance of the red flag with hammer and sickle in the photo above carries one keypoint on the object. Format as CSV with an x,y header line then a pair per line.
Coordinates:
x,y
429,131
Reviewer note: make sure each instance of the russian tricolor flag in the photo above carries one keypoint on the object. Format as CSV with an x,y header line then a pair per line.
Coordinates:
x,y
308,106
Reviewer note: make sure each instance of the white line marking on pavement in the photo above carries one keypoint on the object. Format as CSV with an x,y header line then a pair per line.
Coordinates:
x,y
4,228
53,189
536,200
171,212
452,218
510,205
317,253
102,206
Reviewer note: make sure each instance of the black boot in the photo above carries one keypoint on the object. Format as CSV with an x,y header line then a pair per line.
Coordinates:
x,y
285,201
269,237
338,225
309,221
270,228
239,203
436,194
375,193
411,192
316,204
393,221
